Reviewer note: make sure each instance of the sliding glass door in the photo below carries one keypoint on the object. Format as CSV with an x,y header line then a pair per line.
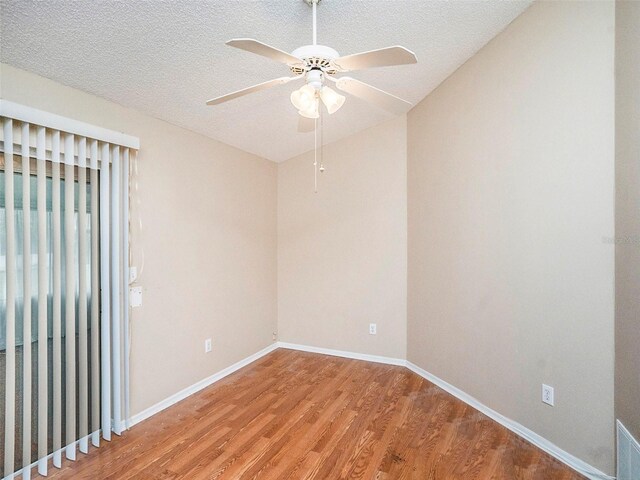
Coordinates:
x,y
64,273
30,303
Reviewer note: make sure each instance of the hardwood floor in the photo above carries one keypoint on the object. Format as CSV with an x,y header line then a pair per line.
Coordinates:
x,y
295,415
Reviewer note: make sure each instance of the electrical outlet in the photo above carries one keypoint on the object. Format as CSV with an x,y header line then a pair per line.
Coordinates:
x,y
207,345
373,329
547,394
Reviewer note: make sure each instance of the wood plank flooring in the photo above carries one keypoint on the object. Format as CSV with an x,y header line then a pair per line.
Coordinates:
x,y
295,415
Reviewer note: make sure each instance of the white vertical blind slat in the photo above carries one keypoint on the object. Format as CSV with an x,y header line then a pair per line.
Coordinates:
x,y
43,286
125,280
70,297
26,304
105,278
10,374
95,301
83,374
57,300
115,289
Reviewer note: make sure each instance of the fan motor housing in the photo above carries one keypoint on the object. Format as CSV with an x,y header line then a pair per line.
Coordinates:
x,y
315,56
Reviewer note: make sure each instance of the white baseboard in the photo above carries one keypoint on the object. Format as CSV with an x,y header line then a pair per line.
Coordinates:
x,y
532,437
537,440
520,430
182,394
628,464
341,353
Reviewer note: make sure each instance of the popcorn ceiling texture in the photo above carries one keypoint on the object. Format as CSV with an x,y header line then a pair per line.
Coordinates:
x,y
167,58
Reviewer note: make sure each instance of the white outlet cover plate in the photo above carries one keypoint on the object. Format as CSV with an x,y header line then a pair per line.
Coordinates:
x,y
135,297
372,329
547,395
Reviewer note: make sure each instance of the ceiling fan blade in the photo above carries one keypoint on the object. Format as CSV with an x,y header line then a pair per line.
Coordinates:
x,y
259,48
306,125
256,88
383,57
373,95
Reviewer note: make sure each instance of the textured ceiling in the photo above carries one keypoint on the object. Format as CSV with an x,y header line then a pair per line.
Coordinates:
x,y
166,58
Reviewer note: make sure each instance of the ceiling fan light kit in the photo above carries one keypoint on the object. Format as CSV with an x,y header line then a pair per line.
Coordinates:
x,y
306,98
316,64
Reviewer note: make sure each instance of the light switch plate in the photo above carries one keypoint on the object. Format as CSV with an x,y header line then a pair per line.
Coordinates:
x,y
135,297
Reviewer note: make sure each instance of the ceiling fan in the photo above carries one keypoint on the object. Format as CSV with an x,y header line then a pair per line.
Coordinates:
x,y
317,64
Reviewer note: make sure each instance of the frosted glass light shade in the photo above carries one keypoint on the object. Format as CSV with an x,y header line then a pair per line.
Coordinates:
x,y
311,112
304,98
332,100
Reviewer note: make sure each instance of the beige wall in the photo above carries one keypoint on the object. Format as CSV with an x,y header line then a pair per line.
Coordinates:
x,y
342,260
627,215
509,203
209,237
511,189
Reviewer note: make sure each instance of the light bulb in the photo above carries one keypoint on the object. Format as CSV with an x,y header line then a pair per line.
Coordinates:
x,y
332,100
304,98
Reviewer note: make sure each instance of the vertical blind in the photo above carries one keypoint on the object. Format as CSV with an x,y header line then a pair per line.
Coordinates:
x,y
63,278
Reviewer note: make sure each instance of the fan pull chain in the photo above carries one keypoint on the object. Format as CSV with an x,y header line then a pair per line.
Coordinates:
x,y
315,155
321,141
